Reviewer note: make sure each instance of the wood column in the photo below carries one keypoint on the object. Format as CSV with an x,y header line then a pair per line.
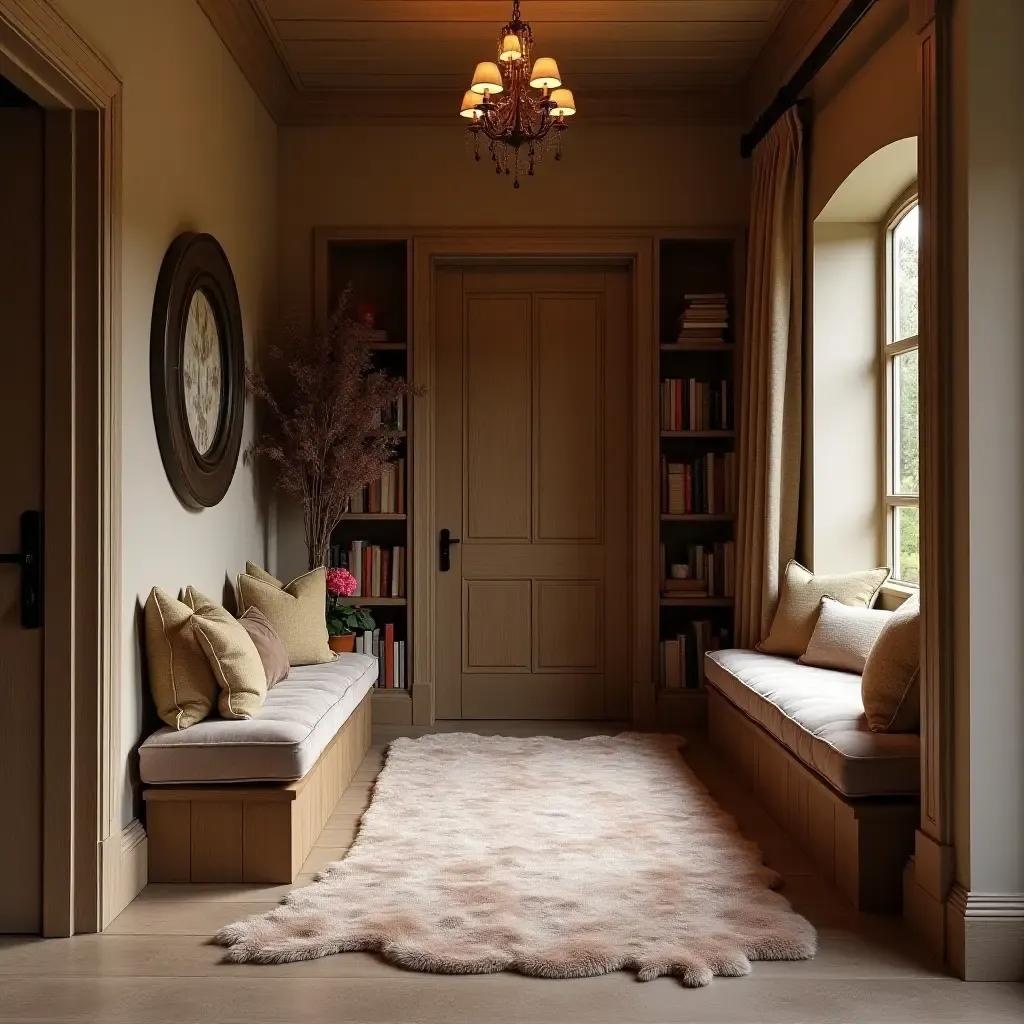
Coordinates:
x,y
931,871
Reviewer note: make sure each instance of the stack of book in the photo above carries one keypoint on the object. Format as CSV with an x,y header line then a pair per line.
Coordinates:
x,y
703,486
379,571
706,317
682,657
705,570
696,405
375,336
384,496
390,654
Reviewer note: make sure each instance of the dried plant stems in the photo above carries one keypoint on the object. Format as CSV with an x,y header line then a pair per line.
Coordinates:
x,y
321,436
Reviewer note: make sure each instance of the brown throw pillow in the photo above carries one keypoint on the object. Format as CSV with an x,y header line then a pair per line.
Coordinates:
x,y
890,684
844,636
296,611
232,655
268,645
182,683
800,603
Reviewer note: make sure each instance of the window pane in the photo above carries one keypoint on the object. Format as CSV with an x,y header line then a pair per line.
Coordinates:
x,y
906,544
905,424
904,273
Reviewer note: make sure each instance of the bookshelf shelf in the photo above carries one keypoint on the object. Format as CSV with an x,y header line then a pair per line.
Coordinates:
x,y
693,601
699,280
699,517
374,541
699,434
725,347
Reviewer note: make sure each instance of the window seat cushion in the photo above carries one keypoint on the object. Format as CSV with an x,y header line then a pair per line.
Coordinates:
x,y
300,717
817,714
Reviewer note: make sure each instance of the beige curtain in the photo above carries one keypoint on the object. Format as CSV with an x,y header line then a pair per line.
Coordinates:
x,y
769,396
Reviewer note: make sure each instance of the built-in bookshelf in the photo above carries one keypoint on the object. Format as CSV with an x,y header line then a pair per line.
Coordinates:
x,y
372,540
697,480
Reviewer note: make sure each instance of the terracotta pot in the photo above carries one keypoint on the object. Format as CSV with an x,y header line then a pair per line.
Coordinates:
x,y
344,644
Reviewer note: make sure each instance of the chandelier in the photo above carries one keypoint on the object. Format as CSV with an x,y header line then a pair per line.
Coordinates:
x,y
505,112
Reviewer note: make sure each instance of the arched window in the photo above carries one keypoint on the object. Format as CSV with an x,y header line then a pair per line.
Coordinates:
x,y
900,456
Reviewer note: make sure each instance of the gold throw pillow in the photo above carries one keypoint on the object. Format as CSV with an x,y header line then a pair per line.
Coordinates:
x,y
296,611
890,684
180,678
844,636
800,603
232,655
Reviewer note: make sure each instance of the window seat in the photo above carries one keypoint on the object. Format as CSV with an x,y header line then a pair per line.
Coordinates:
x,y
818,716
244,801
797,737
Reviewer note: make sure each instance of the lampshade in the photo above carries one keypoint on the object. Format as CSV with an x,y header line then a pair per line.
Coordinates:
x,y
565,105
487,78
545,74
511,49
469,104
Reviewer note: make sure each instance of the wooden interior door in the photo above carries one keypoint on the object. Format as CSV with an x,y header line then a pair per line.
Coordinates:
x,y
532,396
21,427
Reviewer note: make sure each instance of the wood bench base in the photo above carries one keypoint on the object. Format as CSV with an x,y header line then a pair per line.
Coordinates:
x,y
256,832
860,845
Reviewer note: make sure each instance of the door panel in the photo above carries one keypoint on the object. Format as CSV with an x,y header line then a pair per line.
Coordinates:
x,y
21,425
532,398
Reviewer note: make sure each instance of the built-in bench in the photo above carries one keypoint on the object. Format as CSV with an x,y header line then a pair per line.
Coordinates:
x,y
798,736
244,801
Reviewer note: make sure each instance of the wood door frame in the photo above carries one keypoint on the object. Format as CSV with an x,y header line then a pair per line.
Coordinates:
x,y
46,58
566,246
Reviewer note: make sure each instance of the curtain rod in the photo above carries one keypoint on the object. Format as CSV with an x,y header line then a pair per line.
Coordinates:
x,y
789,94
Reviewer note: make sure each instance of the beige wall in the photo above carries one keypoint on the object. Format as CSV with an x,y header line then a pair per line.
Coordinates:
x,y
424,178
845,421
199,153
866,103
988,409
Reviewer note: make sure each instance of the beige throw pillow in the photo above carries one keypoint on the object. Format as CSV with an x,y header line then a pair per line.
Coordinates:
x,y
890,684
843,636
296,611
800,602
232,655
182,683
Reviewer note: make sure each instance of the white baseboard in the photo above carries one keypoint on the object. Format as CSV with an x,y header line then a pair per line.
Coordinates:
x,y
985,935
125,857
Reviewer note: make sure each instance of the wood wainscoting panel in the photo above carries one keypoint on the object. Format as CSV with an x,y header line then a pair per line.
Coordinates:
x,y
498,437
568,474
497,633
568,626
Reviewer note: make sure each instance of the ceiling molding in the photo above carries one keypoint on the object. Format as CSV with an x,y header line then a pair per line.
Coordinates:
x,y
243,30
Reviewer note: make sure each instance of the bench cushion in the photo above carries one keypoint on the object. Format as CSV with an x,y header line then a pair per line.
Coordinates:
x,y
818,716
299,718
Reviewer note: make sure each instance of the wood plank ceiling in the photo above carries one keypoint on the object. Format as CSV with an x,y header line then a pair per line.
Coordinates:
x,y
614,51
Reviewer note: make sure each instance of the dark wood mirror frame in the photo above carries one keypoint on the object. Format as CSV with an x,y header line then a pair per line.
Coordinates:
x,y
196,262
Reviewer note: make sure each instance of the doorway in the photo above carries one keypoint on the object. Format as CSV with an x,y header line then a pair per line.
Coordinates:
x,y
532,361
21,422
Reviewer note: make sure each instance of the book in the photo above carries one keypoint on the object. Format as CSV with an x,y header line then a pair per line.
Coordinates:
x,y
690,404
389,656
705,485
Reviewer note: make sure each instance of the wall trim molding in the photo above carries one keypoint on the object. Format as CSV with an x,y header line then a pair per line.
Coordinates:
x,y
125,860
985,935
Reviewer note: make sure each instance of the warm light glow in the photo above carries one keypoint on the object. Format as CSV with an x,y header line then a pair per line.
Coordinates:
x,y
469,105
565,105
545,74
511,49
487,78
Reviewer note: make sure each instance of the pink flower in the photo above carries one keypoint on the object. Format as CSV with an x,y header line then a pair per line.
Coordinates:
x,y
341,583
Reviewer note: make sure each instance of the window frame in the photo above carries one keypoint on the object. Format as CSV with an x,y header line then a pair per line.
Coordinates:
x,y
889,350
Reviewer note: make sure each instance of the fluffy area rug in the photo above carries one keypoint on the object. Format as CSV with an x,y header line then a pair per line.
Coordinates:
x,y
555,858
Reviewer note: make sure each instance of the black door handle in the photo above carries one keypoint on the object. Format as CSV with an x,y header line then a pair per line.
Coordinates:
x,y
447,540
30,558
